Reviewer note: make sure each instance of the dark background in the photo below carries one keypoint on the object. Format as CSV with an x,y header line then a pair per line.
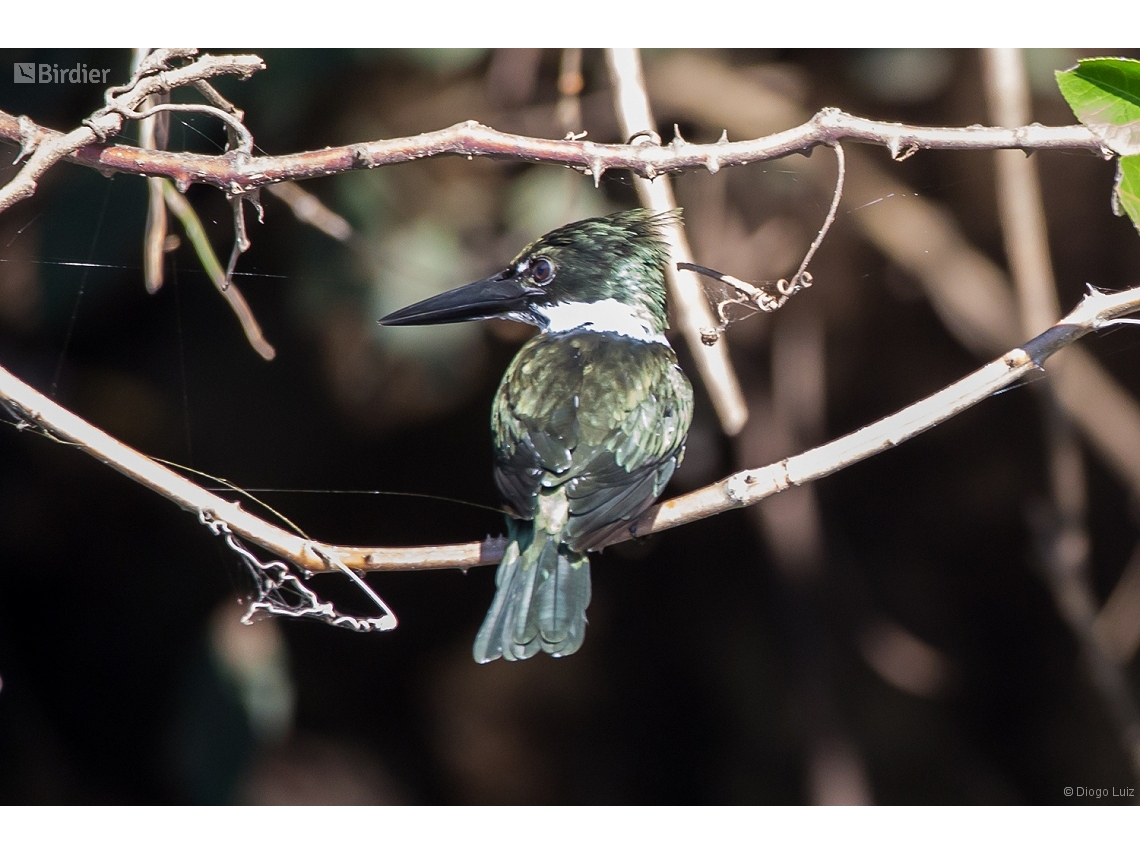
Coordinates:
x,y
887,636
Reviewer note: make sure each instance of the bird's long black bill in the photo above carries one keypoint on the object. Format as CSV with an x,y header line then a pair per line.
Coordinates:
x,y
488,298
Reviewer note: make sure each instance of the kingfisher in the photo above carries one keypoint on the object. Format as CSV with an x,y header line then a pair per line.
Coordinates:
x,y
588,423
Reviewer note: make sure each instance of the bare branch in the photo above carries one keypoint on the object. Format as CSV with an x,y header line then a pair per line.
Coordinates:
x,y
841,172
690,307
1020,206
216,98
749,486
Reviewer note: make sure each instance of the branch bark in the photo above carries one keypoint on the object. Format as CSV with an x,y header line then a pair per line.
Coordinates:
x,y
236,173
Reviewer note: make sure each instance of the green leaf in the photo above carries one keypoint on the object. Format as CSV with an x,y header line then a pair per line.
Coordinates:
x,y
1126,193
1105,96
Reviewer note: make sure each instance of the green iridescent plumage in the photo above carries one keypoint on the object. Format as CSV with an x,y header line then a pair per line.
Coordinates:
x,y
588,428
589,422
620,257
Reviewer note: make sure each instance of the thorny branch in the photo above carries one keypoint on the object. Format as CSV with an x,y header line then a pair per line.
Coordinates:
x,y
240,174
1096,311
967,290
235,173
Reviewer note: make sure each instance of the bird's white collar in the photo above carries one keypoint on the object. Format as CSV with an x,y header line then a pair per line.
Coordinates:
x,y
610,315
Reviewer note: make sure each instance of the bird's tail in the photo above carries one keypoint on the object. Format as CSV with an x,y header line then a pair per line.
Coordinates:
x,y
543,590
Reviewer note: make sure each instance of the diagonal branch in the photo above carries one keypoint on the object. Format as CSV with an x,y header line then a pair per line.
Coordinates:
x,y
1097,310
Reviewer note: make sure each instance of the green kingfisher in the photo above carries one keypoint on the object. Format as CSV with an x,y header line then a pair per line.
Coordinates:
x,y
590,419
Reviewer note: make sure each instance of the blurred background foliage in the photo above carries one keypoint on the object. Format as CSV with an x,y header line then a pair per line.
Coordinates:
x,y
883,636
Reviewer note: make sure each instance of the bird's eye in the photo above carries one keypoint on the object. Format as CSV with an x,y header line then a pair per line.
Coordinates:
x,y
542,271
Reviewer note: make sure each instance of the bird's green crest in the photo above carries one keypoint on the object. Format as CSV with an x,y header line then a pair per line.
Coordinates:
x,y
620,257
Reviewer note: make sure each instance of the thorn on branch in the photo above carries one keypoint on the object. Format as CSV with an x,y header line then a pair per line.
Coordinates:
x,y
597,168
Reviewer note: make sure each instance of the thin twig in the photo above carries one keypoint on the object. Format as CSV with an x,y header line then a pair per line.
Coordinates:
x,y
691,309
471,139
1096,311
218,100
312,211
241,235
154,239
841,172
197,237
245,138
769,298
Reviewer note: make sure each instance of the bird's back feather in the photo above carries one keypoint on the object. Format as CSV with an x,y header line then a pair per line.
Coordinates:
x,y
588,430
603,416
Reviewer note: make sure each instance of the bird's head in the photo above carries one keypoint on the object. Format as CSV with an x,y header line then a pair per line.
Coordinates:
x,y
579,274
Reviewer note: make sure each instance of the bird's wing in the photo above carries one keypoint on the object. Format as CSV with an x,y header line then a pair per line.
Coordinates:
x,y
599,417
